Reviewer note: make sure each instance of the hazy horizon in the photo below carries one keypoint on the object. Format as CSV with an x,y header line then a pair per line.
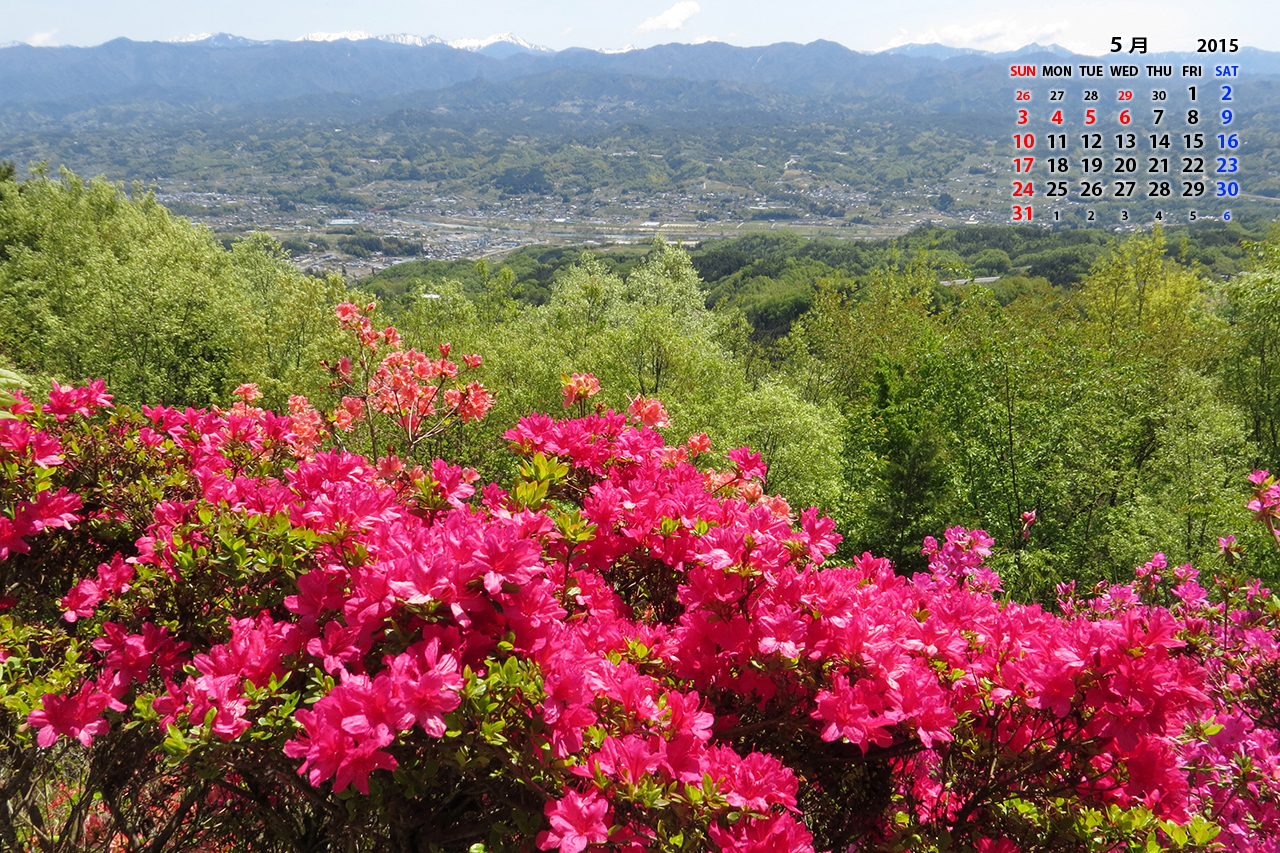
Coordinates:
x,y
992,25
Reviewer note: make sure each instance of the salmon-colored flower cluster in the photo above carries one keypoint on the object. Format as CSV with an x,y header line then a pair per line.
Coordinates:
x,y
649,412
579,387
418,393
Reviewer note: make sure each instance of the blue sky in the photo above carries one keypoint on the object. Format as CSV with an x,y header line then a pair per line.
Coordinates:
x,y
1082,25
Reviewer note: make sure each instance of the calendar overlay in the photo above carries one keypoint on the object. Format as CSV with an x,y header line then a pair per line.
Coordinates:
x,y
1122,140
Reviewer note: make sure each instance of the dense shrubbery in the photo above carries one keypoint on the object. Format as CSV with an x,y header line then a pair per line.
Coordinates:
x,y
223,631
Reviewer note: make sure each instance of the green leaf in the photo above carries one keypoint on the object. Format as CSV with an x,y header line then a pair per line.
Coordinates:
x,y
1202,830
175,744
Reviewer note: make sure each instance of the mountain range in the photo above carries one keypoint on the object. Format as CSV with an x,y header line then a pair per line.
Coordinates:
x,y
502,44
207,71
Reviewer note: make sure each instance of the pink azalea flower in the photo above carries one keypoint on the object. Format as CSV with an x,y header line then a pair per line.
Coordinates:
x,y
114,577
750,465
78,716
576,821
427,686
344,735
82,600
67,401
248,393
777,834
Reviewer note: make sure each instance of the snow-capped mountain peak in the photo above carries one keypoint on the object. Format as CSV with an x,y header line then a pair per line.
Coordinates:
x,y
350,35
502,43
407,38
502,38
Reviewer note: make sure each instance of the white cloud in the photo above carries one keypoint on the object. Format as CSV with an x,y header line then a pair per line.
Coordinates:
x,y
566,31
705,39
41,39
996,34
672,19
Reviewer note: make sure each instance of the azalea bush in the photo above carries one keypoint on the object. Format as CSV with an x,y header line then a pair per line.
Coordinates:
x,y
224,630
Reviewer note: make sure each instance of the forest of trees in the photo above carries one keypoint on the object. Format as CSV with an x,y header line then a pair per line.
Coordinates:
x,y
1120,388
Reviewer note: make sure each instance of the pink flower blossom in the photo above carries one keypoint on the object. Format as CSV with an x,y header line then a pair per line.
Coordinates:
x,y
576,821
78,716
82,600
426,684
248,393
67,401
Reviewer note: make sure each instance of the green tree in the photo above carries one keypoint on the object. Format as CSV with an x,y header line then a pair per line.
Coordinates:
x,y
98,283
1252,371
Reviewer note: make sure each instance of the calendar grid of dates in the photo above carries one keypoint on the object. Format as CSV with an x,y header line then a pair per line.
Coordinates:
x,y
1126,142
